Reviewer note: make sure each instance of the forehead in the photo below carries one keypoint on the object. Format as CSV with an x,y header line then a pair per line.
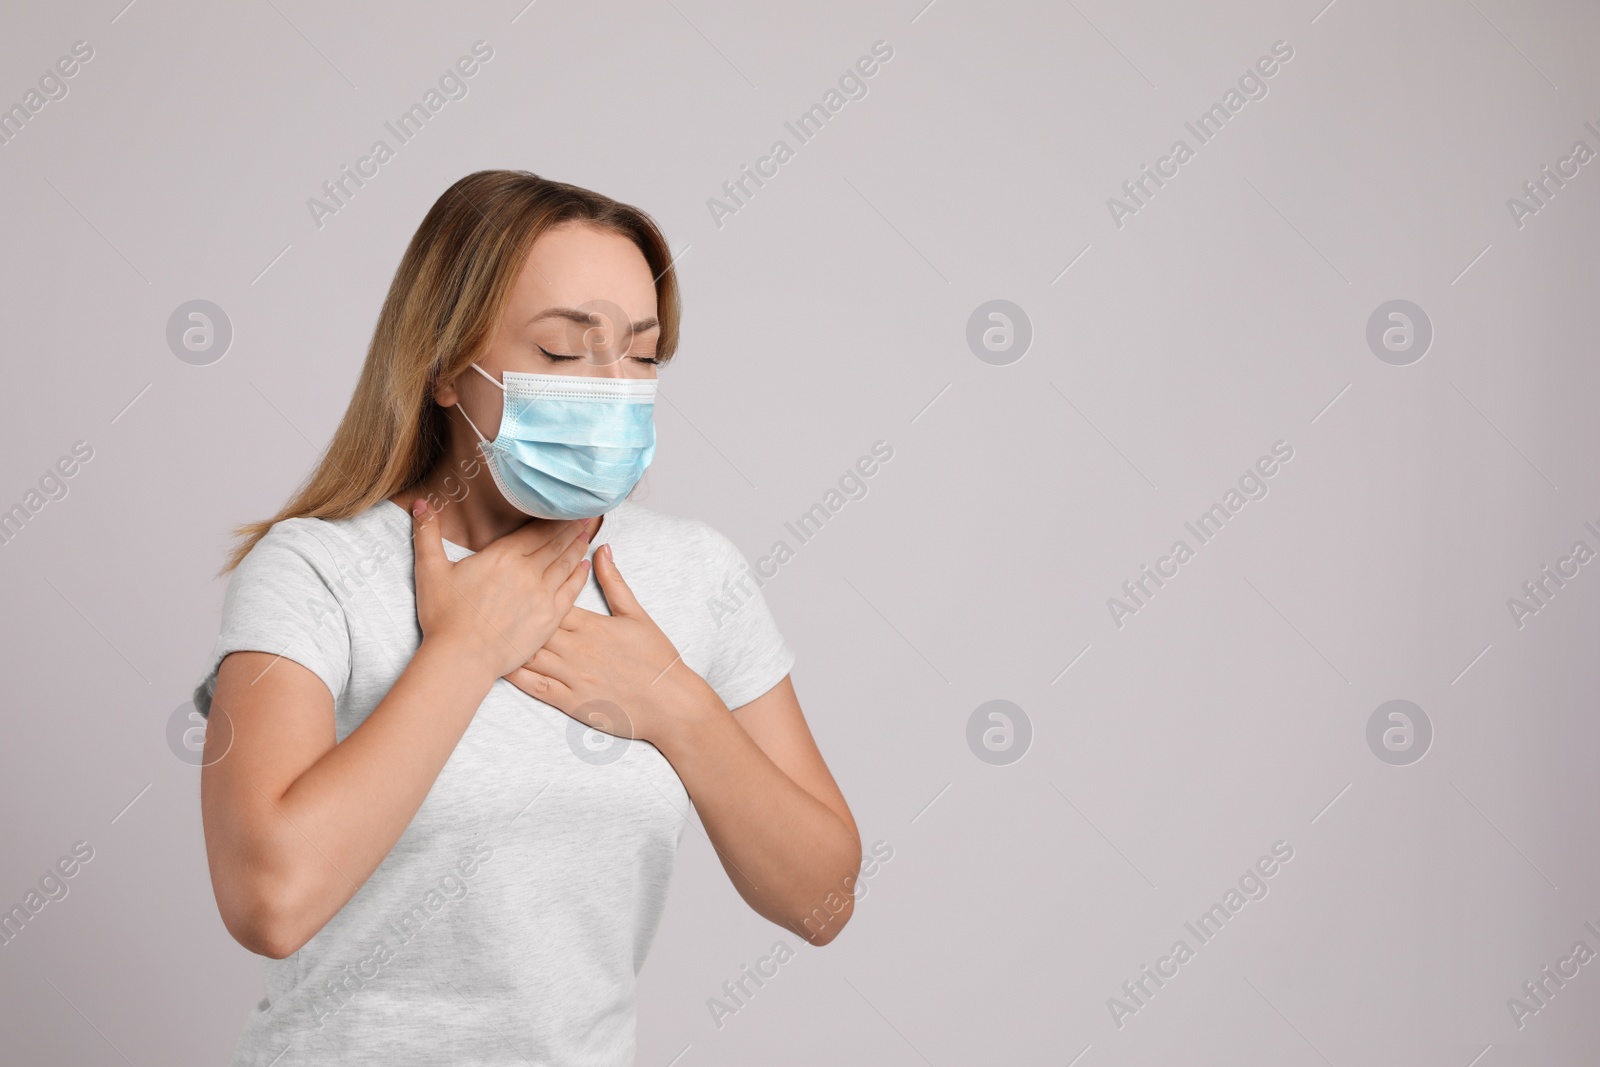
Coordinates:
x,y
575,263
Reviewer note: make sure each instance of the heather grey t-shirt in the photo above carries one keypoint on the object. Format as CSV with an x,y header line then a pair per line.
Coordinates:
x,y
507,924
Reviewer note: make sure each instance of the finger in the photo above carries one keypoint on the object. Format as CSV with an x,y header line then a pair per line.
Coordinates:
x,y
429,543
578,532
563,637
618,596
557,644
566,563
541,686
569,589
535,534
546,664
576,618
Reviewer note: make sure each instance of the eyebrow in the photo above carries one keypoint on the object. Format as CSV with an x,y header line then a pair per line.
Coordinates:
x,y
587,318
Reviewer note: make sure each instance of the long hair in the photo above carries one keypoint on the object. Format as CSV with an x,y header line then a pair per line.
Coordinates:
x,y
448,293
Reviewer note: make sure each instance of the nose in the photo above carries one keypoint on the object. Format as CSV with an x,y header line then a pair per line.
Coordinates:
x,y
605,348
604,334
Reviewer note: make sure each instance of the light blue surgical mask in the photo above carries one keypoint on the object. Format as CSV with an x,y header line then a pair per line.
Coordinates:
x,y
569,446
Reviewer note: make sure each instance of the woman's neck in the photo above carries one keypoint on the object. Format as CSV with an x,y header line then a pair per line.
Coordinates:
x,y
472,511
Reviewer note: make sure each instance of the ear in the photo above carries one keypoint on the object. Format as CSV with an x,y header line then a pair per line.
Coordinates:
x,y
445,395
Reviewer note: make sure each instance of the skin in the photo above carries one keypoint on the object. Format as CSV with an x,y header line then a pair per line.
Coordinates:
x,y
295,822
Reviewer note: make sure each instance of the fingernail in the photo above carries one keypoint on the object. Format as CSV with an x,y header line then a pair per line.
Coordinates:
x,y
606,548
418,506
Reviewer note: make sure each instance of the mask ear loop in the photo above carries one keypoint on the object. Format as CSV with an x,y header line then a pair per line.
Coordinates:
x,y
462,408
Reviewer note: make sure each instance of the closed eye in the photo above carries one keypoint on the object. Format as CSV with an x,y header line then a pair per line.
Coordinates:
x,y
653,361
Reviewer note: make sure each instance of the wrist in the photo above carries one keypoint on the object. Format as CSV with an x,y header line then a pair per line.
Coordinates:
x,y
464,659
688,712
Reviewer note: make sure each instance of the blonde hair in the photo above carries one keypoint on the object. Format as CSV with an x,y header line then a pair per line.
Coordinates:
x,y
447,295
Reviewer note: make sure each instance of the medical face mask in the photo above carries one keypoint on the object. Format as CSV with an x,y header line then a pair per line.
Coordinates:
x,y
569,446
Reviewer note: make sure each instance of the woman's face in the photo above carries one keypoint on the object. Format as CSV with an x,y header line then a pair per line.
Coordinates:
x,y
583,304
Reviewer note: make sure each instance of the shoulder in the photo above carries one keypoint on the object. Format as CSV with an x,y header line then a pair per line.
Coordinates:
x,y
285,539
673,538
325,544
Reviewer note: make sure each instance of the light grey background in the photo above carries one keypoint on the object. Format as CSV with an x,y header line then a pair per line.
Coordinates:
x,y
829,313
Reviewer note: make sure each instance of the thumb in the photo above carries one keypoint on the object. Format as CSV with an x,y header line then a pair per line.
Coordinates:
x,y
618,596
425,536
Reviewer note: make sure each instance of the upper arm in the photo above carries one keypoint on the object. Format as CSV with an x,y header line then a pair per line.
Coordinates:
x,y
269,690
776,724
271,719
749,655
750,672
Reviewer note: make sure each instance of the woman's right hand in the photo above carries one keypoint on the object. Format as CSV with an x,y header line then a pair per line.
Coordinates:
x,y
499,606
296,819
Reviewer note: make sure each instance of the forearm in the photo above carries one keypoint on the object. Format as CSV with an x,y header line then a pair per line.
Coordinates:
x,y
792,858
340,818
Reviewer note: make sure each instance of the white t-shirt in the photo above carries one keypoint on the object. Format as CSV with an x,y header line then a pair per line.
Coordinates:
x,y
508,923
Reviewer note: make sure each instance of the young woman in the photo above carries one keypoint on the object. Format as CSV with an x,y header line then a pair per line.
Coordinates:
x,y
464,689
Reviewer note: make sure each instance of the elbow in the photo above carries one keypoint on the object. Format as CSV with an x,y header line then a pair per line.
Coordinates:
x,y
276,941
825,921
832,910
263,919
263,881
828,933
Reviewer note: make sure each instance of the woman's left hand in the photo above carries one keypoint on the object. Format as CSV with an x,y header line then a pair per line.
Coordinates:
x,y
616,673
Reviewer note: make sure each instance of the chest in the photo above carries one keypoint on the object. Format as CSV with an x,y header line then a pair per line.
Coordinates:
x,y
522,766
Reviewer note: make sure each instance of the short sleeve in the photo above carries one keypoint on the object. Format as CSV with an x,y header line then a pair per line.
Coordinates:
x,y
751,655
281,601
